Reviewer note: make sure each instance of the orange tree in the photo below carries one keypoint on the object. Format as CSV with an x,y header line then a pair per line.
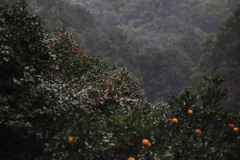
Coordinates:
x,y
204,130
58,102
56,96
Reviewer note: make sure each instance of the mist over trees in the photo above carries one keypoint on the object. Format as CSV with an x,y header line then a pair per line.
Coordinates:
x,y
62,98
183,28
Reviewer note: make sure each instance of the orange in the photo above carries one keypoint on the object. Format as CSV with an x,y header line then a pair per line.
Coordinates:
x,y
145,142
190,112
149,144
219,154
61,147
111,144
231,125
72,140
219,120
131,158
235,129
197,131
175,120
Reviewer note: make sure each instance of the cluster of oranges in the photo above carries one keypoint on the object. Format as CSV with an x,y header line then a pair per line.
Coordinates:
x,y
71,140
190,113
233,127
145,143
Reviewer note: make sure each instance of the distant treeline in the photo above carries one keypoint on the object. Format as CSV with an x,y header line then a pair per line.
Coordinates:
x,y
168,45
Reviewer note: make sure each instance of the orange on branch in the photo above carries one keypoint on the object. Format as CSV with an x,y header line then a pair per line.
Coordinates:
x,y
131,158
72,140
197,131
231,125
111,144
175,120
190,112
149,144
219,120
235,129
145,142
61,147
219,155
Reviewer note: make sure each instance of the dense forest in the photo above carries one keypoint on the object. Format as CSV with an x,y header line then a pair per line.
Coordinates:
x,y
79,83
164,43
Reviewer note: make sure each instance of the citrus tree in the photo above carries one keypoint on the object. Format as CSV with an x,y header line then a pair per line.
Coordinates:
x,y
201,128
50,88
59,102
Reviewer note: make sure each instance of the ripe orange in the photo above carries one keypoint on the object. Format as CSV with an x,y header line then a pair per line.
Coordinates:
x,y
190,112
72,140
149,144
197,131
231,125
235,129
61,147
145,142
219,154
131,158
111,144
175,120
219,120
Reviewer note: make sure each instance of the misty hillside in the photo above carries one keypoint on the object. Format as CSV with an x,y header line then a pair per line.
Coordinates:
x,y
159,21
168,46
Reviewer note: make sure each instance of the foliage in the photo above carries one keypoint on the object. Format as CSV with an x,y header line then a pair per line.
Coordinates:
x,y
222,48
165,72
47,83
59,102
209,131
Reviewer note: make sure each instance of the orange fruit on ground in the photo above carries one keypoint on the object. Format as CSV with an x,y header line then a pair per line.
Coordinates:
x,y
72,140
175,120
197,131
231,125
145,142
235,129
61,147
131,158
190,112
